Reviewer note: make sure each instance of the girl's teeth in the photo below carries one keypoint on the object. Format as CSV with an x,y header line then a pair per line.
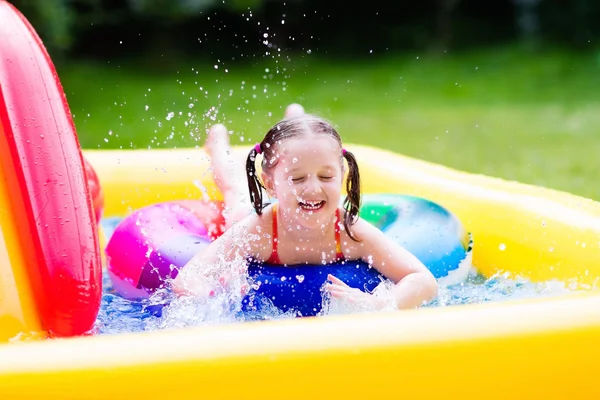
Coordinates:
x,y
311,206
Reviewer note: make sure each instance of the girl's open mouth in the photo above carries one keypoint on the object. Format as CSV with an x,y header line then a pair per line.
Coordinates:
x,y
311,205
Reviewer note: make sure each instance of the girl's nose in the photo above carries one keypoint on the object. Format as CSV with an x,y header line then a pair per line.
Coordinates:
x,y
312,185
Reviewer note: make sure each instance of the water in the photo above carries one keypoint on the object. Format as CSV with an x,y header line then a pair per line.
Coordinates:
x,y
164,311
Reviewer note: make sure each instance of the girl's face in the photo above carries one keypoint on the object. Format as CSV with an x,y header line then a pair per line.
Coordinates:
x,y
307,179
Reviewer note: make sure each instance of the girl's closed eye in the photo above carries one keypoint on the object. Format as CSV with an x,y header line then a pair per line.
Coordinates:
x,y
301,178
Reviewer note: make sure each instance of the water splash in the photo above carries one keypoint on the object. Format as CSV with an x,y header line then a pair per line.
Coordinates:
x,y
164,310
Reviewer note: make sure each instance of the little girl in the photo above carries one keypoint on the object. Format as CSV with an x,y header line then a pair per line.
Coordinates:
x,y
305,243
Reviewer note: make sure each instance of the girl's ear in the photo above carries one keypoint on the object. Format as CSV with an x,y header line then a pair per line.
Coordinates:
x,y
269,184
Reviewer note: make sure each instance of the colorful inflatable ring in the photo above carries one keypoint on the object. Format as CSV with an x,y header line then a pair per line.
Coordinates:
x,y
151,245
426,229
434,235
50,270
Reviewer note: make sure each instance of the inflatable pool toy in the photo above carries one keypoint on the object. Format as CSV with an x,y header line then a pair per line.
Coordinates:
x,y
434,235
426,229
50,271
541,348
150,246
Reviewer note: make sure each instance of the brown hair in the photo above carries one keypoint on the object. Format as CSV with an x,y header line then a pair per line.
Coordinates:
x,y
290,128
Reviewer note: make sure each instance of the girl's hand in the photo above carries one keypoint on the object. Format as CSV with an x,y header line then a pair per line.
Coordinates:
x,y
226,284
339,290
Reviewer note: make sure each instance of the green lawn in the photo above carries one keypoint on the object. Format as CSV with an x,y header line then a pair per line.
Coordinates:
x,y
532,118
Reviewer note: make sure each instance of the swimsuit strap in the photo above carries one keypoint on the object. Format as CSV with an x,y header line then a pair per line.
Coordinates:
x,y
274,259
339,255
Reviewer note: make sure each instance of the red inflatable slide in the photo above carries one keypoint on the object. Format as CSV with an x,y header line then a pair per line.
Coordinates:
x,y
48,232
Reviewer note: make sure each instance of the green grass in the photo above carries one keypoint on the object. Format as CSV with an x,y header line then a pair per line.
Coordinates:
x,y
531,118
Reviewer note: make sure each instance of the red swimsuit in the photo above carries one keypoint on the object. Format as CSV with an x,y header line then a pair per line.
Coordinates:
x,y
274,259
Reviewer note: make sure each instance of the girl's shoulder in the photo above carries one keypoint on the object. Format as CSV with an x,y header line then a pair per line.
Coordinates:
x,y
255,232
254,223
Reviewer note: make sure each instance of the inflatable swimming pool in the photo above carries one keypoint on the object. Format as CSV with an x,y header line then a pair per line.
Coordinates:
x,y
541,348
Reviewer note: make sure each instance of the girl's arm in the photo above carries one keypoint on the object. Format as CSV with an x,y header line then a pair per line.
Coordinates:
x,y
415,284
221,258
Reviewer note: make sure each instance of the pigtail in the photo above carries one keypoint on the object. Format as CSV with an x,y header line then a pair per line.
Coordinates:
x,y
353,200
254,185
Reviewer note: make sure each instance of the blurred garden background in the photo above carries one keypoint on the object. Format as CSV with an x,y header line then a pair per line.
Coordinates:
x,y
507,88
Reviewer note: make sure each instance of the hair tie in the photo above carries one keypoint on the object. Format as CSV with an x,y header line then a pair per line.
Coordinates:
x,y
257,148
344,151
